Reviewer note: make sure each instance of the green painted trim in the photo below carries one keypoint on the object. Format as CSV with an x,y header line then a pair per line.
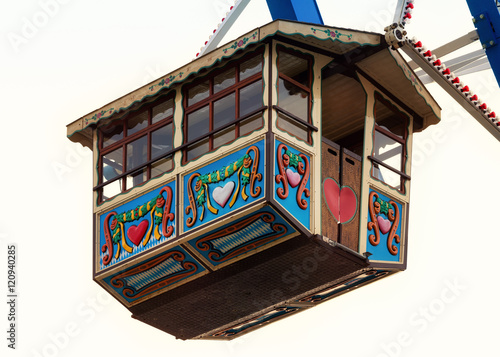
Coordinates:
x,y
322,39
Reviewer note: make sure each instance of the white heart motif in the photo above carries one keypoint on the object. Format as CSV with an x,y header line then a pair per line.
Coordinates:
x,y
221,194
293,177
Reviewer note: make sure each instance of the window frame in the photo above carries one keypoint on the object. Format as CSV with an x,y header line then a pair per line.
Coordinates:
x,y
127,139
307,123
214,97
401,140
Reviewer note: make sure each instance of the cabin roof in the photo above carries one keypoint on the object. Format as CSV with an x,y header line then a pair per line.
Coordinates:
x,y
367,51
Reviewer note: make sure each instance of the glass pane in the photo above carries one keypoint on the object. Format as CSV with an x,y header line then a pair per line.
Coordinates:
x,y
197,149
293,99
198,92
294,67
111,134
389,152
224,110
251,124
250,98
161,166
163,110
224,136
293,127
137,122
137,178
111,190
137,153
161,141
386,118
198,123
250,67
112,164
224,80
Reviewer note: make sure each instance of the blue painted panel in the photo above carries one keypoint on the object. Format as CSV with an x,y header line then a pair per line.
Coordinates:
x,y
385,219
292,182
487,21
157,273
242,236
295,10
223,186
137,225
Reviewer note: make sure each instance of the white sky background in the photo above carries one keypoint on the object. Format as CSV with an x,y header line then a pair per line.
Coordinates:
x,y
88,53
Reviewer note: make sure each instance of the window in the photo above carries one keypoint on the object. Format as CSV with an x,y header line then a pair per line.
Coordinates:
x,y
135,148
294,93
389,145
223,106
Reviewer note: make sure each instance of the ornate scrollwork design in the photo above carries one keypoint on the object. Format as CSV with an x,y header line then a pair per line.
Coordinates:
x,y
391,210
301,164
245,169
276,230
374,208
283,161
114,225
120,280
254,176
393,249
304,172
190,221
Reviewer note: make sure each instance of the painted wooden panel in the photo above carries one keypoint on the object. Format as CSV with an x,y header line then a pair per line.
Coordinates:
x,y
292,182
384,240
223,186
137,225
330,163
161,272
245,236
341,175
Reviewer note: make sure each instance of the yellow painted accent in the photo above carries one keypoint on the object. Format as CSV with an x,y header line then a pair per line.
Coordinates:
x,y
209,205
235,195
202,212
124,242
117,251
148,235
157,232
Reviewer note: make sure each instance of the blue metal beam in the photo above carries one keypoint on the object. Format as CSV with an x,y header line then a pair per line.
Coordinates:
x,y
295,10
486,18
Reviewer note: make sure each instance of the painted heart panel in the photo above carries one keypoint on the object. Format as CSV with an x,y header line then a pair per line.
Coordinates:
x,y
341,201
136,233
221,194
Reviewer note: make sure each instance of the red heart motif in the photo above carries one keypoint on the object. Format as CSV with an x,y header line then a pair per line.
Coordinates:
x,y
136,233
384,224
341,201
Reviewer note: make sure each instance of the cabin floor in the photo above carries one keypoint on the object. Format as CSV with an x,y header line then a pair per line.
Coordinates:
x,y
276,278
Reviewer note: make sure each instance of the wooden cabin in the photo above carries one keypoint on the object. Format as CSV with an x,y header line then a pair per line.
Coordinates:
x,y
259,180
